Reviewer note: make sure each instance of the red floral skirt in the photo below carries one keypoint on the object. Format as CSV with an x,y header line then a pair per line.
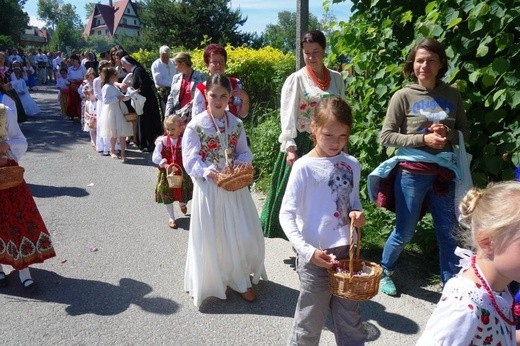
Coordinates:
x,y
24,239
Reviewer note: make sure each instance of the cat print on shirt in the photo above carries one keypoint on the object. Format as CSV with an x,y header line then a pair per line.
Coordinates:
x,y
341,181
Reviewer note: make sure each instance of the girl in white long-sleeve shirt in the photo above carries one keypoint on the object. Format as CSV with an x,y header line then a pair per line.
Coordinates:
x,y
320,202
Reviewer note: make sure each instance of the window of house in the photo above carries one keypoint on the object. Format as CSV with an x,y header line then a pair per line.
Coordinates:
x,y
99,32
124,20
135,22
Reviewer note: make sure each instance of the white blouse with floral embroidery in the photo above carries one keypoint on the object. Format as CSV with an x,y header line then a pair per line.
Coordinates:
x,y
300,95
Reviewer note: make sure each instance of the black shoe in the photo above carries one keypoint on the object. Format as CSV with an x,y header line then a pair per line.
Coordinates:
x,y
3,279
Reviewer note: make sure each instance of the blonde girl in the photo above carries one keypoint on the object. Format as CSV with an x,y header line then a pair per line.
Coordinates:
x,y
476,307
168,151
90,113
114,124
319,204
102,144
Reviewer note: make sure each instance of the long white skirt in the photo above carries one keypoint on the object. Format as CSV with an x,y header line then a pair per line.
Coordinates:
x,y
29,105
113,122
226,243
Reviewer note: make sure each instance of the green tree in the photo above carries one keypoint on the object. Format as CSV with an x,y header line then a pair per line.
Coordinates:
x,y
65,23
188,23
53,11
14,21
89,9
282,34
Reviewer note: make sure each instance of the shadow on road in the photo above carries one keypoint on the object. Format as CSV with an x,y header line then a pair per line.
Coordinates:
x,y
89,296
273,300
45,191
374,311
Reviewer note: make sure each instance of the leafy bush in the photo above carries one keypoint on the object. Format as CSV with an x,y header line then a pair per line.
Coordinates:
x,y
264,145
146,57
262,71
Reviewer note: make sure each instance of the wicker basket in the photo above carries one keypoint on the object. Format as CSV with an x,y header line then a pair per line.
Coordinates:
x,y
355,287
174,180
129,117
235,178
11,176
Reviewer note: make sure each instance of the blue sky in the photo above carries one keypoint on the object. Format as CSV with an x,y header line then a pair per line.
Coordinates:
x,y
259,12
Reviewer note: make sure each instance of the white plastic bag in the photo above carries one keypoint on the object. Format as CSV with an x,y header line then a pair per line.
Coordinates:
x,y
463,163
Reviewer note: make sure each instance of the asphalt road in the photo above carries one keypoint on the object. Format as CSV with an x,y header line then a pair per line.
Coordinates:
x,y
118,275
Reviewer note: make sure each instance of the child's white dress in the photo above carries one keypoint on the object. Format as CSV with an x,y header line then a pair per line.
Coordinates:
x,y
226,244
465,316
90,108
29,105
114,123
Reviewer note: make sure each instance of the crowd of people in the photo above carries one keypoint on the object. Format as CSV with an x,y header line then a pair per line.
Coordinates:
x,y
191,123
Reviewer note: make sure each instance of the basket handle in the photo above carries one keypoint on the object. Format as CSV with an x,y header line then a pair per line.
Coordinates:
x,y
352,245
173,165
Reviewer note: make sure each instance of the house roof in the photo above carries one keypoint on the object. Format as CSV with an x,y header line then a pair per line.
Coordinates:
x,y
111,15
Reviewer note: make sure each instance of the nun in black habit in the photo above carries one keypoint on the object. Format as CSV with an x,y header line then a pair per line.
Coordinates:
x,y
149,124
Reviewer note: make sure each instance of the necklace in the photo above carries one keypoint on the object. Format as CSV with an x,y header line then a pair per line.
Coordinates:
x,y
324,83
490,293
222,135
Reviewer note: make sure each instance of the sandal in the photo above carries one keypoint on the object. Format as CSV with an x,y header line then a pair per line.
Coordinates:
x,y
3,279
249,295
113,155
172,224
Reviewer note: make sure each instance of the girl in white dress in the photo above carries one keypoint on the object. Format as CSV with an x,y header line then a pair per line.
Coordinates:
x,y
89,113
29,105
114,124
102,144
226,244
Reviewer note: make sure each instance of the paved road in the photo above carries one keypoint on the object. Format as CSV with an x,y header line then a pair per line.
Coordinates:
x,y
117,279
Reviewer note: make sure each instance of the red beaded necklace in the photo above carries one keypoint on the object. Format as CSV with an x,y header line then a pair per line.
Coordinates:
x,y
324,83
490,293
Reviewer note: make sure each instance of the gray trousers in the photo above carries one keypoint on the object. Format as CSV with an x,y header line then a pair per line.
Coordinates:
x,y
315,302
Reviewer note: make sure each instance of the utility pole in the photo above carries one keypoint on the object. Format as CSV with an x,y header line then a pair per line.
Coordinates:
x,y
302,26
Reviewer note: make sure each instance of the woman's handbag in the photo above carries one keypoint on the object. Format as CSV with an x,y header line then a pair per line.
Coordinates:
x,y
129,116
463,163
185,112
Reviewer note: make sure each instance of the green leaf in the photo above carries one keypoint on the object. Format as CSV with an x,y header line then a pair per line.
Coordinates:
x,y
503,41
499,97
474,76
515,99
482,50
475,24
406,17
500,65
454,22
515,158
488,80
430,7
